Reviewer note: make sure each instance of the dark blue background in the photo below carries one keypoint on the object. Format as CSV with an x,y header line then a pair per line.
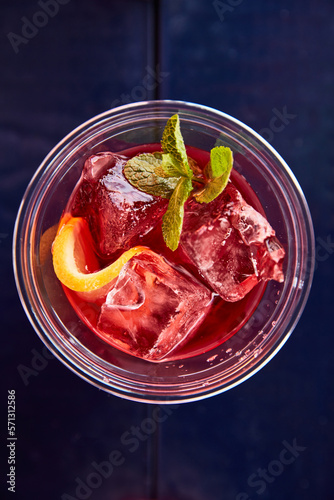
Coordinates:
x,y
247,58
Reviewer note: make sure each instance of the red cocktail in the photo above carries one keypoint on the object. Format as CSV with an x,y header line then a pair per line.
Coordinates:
x,y
166,303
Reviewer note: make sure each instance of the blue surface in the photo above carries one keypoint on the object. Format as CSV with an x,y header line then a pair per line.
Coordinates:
x,y
244,58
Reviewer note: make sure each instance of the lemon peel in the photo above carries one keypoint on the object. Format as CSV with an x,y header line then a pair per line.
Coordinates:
x,y
70,249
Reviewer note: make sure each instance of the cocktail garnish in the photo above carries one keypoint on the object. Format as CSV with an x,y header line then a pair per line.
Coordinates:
x,y
74,261
170,174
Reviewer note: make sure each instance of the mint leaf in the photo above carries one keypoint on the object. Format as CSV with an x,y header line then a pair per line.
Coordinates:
x,y
210,192
172,143
217,172
171,166
142,172
221,160
173,218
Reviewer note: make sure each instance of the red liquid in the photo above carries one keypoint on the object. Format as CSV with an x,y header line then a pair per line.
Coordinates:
x,y
224,318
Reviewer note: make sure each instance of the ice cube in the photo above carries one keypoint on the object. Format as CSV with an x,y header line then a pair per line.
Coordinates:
x,y
117,212
153,308
232,245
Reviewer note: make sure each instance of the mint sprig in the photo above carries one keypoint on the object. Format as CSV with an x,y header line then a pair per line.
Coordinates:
x,y
170,175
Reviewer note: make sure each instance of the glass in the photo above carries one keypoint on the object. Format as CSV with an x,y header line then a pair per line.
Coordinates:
x,y
55,321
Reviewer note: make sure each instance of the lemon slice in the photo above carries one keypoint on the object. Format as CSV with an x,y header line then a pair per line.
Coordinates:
x,y
74,258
